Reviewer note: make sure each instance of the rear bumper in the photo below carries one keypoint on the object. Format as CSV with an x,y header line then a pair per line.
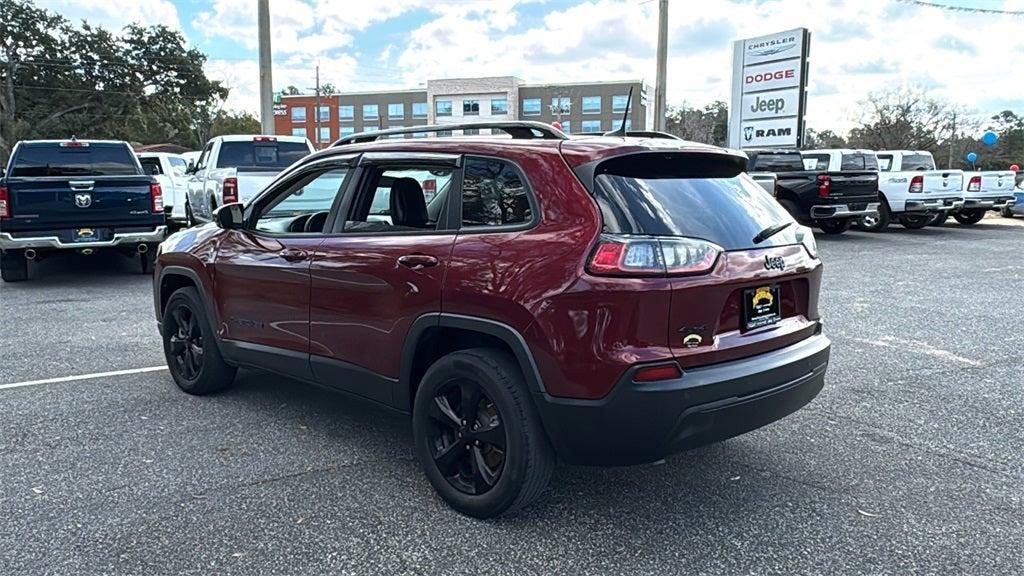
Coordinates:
x,y
990,203
8,242
639,423
826,211
935,204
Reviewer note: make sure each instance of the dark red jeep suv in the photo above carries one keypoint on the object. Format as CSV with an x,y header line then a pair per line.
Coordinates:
x,y
605,300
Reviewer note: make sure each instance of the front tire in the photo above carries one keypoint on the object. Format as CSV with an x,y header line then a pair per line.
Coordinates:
x,y
146,261
834,227
877,223
478,436
190,346
968,217
13,266
915,221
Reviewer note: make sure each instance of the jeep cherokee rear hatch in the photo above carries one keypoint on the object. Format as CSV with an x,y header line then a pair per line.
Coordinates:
x,y
743,273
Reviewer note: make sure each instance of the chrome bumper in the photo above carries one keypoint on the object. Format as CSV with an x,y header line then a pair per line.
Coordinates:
x,y
824,212
989,203
8,242
934,205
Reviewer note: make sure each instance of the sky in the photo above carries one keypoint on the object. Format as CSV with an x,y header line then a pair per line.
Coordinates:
x,y
976,60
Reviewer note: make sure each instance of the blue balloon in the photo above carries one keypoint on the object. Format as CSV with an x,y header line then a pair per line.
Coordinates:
x,y
989,138
972,157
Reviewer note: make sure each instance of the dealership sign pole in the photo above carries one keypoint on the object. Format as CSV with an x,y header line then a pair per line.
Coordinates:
x,y
769,90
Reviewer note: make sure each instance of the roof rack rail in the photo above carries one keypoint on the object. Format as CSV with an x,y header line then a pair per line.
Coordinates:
x,y
522,130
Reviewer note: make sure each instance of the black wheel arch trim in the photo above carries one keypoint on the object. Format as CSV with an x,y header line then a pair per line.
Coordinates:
x,y
211,318
507,334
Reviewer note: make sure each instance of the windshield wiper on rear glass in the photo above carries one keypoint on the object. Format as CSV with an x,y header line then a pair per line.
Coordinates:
x,y
770,231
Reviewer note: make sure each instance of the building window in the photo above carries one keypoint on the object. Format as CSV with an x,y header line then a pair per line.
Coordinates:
x,y
370,111
566,126
470,107
619,103
370,129
629,124
590,126
419,134
531,107
443,107
493,194
346,112
471,132
591,104
325,113
396,110
444,132
419,109
560,105
299,114
499,107
347,131
325,134
299,132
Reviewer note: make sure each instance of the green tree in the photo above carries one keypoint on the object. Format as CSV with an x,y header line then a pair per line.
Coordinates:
x,y
235,123
709,125
141,84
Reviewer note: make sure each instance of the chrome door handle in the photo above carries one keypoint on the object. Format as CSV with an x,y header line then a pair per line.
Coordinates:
x,y
293,255
417,261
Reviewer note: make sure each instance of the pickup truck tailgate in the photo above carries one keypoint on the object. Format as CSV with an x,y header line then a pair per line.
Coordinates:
x,y
943,182
252,183
51,203
850,185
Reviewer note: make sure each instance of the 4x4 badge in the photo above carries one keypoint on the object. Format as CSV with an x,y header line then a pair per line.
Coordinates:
x,y
774,263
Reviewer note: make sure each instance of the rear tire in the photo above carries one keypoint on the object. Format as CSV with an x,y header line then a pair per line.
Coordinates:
x,y
968,217
478,436
834,227
190,346
916,221
877,223
14,266
1006,212
939,219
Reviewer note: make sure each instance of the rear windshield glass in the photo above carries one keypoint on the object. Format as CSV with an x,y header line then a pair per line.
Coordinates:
x,y
36,160
260,155
726,211
917,162
768,162
859,162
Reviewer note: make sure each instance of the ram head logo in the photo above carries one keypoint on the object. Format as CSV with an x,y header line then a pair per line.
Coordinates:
x,y
83,199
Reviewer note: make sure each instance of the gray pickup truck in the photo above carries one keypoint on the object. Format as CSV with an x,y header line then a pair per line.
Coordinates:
x,y
81,195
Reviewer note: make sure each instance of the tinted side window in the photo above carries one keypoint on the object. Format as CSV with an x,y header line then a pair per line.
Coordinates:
x,y
256,155
859,162
777,162
151,166
885,162
816,161
493,194
917,162
294,210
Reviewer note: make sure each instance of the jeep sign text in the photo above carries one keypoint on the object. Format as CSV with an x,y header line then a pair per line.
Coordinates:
x,y
771,104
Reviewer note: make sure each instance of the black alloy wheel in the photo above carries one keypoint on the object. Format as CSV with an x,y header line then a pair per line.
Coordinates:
x,y
834,227
915,221
468,437
185,342
968,217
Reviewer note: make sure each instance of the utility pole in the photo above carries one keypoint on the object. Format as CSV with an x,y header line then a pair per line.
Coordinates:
x,y
266,81
952,136
317,139
662,69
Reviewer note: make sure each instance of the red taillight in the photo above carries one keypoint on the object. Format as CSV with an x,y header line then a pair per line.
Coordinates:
x,y
916,184
655,373
156,194
264,139
975,184
824,185
5,203
619,256
230,190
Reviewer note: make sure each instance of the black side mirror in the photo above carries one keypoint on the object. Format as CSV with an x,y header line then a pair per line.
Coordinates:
x,y
191,168
229,216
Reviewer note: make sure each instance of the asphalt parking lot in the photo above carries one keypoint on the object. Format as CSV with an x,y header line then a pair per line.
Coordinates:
x,y
910,461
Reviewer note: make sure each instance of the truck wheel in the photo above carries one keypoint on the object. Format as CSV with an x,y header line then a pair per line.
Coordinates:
x,y
968,217
939,219
1006,212
147,259
834,227
915,221
478,436
14,266
876,223
190,347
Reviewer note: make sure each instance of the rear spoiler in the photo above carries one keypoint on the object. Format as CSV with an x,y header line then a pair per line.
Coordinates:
x,y
665,164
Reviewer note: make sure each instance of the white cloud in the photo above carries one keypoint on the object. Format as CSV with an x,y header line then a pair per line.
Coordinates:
x,y
116,14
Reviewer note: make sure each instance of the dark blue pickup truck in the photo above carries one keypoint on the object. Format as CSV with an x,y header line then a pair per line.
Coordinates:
x,y
83,195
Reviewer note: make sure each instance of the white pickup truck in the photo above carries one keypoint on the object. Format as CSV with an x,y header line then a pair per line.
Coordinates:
x,y
983,191
170,170
912,190
236,168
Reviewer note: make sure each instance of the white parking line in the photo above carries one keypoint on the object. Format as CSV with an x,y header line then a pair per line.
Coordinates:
x,y
82,377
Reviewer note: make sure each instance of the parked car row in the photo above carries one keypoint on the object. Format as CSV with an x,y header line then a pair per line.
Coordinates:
x,y
834,189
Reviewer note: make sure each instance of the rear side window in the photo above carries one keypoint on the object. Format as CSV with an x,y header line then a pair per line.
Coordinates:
x,y
260,155
37,160
151,166
816,161
884,162
917,162
769,162
727,211
859,162
493,194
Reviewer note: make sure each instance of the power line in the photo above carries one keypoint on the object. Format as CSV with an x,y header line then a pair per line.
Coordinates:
x,y
967,9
